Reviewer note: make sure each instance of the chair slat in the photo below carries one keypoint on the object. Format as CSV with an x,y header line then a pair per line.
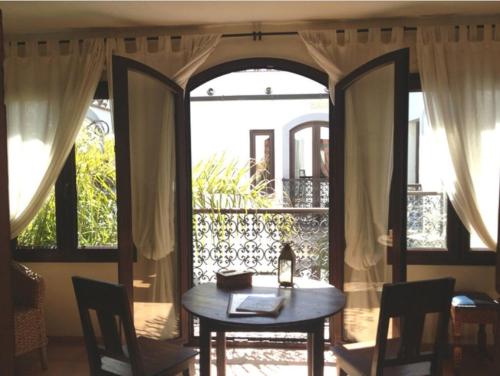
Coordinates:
x,y
409,302
112,307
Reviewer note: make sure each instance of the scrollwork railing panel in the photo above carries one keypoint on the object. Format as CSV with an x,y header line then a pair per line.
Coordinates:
x,y
252,239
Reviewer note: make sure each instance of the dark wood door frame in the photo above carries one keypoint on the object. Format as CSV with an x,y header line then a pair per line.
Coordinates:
x,y
239,65
6,310
397,209
121,67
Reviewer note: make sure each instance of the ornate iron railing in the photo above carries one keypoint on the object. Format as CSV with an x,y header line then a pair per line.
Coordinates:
x,y
426,216
306,192
252,239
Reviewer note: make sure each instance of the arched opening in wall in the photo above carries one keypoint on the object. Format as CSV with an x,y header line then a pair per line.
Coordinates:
x,y
247,199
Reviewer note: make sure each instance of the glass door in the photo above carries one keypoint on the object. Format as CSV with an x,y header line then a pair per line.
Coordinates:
x,y
152,196
370,144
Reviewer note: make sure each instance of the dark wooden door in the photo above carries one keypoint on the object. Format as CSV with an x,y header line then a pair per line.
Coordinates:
x,y
129,75
6,312
397,62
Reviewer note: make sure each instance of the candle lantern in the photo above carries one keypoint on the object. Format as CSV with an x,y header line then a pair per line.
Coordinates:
x,y
286,266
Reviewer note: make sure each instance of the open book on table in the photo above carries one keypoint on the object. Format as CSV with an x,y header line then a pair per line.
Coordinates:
x,y
254,305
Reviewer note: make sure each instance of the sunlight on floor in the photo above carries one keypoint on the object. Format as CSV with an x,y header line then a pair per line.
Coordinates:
x,y
269,362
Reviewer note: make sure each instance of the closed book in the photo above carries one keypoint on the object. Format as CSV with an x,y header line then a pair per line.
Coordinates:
x,y
263,305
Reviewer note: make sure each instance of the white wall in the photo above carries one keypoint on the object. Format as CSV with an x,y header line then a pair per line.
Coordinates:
x,y
61,311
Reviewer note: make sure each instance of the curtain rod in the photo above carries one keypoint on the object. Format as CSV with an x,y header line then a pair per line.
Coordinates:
x,y
257,35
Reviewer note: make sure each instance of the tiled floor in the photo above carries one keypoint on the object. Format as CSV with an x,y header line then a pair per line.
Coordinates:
x,y
69,358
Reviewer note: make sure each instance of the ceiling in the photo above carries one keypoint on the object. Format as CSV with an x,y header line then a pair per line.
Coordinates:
x,y
47,17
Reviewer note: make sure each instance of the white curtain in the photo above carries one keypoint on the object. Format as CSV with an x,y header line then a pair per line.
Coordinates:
x,y
152,150
460,75
369,130
48,89
340,52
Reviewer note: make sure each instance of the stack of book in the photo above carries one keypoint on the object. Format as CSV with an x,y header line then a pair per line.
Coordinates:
x,y
254,305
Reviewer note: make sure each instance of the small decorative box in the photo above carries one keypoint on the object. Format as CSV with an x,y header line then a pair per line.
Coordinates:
x,y
234,279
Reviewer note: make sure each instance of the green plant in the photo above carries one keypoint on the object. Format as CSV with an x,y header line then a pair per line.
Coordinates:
x,y
219,183
96,197
96,185
42,229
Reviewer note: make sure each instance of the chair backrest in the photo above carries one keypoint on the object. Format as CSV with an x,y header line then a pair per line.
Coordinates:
x,y
112,308
411,302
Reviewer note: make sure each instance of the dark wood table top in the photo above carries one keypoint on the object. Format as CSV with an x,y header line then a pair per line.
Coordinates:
x,y
310,300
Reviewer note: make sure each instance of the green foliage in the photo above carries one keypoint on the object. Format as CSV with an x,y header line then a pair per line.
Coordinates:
x,y
42,229
219,183
96,192
96,185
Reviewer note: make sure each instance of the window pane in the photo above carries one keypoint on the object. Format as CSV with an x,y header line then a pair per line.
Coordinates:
x,y
41,232
96,179
263,158
303,153
324,151
427,203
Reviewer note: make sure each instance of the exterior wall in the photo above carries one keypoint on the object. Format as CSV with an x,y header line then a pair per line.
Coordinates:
x,y
61,312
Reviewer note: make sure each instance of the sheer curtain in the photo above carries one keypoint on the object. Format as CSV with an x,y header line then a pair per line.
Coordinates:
x,y
460,75
152,150
368,163
48,89
340,52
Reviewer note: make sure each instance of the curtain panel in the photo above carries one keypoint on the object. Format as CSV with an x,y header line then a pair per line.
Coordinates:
x,y
177,61
48,89
339,52
368,162
460,75
153,172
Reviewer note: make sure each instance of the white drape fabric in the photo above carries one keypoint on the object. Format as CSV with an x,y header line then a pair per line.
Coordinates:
x,y
176,59
369,130
152,153
152,148
369,105
340,52
48,89
460,75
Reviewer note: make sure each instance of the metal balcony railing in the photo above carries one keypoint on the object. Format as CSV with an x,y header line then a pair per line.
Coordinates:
x,y
252,239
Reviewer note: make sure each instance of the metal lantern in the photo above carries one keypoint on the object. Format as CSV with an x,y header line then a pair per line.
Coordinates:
x,y
286,266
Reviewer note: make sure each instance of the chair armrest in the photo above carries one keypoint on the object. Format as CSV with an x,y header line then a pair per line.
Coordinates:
x,y
28,288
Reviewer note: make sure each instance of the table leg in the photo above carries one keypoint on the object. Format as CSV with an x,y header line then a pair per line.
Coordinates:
x,y
481,340
309,354
204,348
221,354
318,349
496,340
457,345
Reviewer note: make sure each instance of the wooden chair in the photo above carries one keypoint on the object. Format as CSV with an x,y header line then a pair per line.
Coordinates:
x,y
139,356
410,302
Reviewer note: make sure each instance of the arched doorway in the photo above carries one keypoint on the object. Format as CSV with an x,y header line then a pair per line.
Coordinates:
x,y
206,259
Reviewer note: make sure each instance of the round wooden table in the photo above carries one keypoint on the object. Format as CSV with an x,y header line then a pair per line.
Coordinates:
x,y
305,309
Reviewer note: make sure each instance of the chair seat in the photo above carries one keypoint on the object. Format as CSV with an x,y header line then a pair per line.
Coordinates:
x,y
159,359
162,358
356,360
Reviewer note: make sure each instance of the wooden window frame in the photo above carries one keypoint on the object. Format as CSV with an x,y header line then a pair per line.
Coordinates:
x,y
458,250
67,249
253,135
